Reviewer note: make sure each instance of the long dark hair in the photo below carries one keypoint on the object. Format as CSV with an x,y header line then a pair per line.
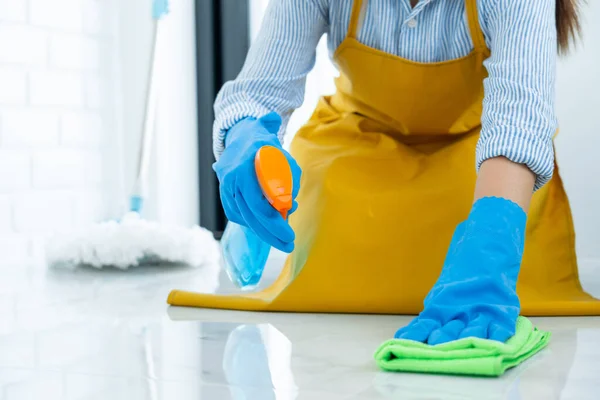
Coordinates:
x,y
567,23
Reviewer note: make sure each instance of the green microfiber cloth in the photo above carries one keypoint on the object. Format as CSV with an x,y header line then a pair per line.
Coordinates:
x,y
469,356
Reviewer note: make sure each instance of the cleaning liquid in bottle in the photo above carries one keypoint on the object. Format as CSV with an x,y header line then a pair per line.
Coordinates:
x,y
244,253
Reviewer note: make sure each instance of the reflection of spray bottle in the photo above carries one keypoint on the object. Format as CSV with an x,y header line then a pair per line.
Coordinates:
x,y
245,254
256,363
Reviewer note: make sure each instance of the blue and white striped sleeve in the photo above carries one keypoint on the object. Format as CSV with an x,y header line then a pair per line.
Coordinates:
x,y
519,120
274,75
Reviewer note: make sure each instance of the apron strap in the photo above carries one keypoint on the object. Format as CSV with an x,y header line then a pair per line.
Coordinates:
x,y
357,7
476,32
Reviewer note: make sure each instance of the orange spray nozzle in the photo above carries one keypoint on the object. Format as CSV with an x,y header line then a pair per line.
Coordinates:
x,y
275,178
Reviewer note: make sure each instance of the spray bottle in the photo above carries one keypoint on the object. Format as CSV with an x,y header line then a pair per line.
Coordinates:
x,y
244,253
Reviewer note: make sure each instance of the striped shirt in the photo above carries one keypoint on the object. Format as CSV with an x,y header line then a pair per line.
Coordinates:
x,y
518,120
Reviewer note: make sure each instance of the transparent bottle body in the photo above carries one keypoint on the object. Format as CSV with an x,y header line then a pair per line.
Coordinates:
x,y
244,255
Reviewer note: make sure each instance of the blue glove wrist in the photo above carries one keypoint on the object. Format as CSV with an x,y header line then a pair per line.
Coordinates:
x,y
499,217
241,128
233,132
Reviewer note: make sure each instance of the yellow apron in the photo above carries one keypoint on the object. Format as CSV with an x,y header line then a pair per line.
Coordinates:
x,y
388,173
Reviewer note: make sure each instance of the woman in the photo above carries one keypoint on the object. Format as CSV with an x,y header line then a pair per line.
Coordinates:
x,y
427,90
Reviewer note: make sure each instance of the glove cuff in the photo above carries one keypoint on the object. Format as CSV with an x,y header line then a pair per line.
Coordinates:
x,y
499,216
233,132
267,126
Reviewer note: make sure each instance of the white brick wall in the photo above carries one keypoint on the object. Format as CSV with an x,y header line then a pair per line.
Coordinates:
x,y
81,129
14,86
13,10
23,44
74,51
24,127
57,118
65,15
51,88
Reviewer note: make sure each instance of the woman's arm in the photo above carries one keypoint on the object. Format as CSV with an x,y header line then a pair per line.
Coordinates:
x,y
500,177
274,74
515,153
476,293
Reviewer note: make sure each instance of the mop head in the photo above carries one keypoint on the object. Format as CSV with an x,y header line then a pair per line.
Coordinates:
x,y
133,242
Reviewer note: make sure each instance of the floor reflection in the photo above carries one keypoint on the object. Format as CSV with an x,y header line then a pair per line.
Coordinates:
x,y
96,335
256,362
261,362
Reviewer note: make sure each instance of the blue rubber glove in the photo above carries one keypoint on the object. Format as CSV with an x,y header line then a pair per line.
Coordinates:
x,y
475,295
241,195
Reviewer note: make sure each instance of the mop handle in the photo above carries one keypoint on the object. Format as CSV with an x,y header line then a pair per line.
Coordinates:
x,y
159,9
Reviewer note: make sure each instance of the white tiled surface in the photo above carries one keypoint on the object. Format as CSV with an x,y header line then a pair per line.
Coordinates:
x,y
109,335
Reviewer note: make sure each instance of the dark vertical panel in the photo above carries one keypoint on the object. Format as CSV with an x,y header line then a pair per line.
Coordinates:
x,y
234,42
222,39
206,64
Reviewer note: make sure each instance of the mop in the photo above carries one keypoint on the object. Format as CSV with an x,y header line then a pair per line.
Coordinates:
x,y
133,241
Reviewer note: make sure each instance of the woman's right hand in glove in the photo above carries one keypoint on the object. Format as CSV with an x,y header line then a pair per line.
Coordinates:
x,y
241,195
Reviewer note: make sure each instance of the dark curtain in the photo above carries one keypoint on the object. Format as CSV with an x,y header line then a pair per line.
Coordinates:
x,y
222,40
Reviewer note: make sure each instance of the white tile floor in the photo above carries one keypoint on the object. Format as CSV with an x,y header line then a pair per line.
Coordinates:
x,y
109,335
